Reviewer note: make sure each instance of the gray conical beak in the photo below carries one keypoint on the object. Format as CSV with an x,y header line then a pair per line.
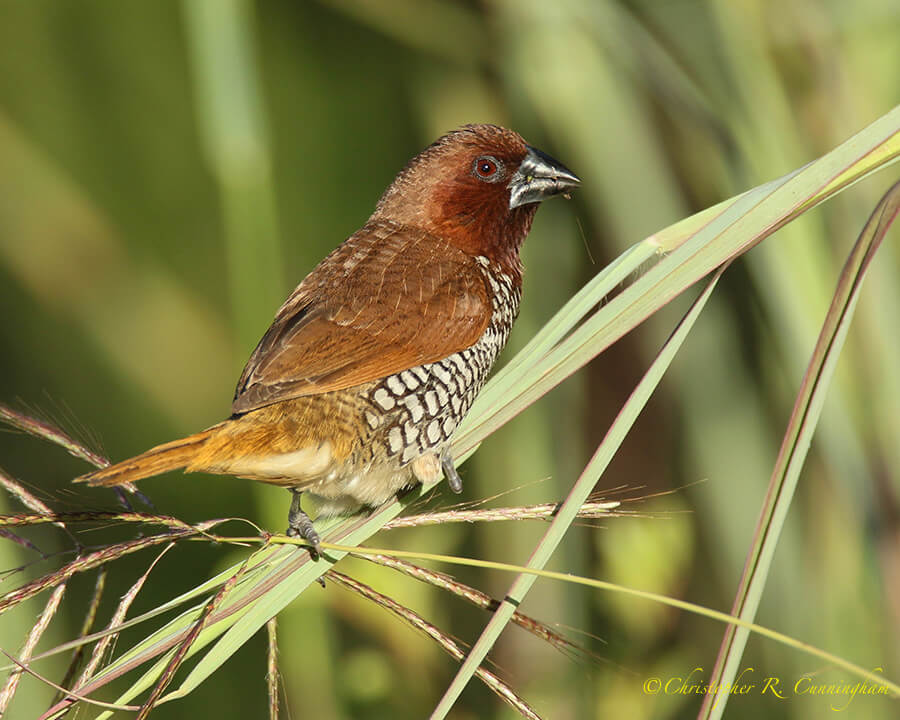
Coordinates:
x,y
538,177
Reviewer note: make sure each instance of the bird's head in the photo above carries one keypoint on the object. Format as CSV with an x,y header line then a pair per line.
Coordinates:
x,y
478,187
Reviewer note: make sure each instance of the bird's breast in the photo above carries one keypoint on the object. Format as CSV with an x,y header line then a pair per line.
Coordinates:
x,y
416,411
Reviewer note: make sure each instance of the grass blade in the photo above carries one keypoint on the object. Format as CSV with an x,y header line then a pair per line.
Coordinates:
x,y
569,509
795,446
725,231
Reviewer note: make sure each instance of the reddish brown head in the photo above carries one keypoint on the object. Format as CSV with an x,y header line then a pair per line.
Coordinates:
x,y
477,187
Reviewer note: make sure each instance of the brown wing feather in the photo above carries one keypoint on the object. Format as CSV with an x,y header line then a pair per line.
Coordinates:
x,y
388,299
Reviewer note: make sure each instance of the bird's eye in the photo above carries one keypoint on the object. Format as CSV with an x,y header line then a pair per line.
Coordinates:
x,y
487,168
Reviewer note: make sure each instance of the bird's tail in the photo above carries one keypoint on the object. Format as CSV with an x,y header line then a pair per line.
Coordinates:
x,y
163,458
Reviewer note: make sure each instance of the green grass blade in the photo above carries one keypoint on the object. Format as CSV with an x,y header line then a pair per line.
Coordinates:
x,y
573,312
292,583
168,635
859,671
578,495
724,232
209,585
797,439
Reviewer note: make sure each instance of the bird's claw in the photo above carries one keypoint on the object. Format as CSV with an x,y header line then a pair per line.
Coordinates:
x,y
299,525
453,478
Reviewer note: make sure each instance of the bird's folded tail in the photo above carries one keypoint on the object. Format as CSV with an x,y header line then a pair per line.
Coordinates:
x,y
163,458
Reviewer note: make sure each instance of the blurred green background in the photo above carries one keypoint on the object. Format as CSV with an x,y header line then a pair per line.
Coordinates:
x,y
170,170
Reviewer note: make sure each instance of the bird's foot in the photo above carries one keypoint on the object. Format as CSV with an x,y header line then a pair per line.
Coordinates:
x,y
299,525
453,478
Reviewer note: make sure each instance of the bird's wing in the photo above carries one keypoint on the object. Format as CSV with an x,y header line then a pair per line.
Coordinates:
x,y
388,299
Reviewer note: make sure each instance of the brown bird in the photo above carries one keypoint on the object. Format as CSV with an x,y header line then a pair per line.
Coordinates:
x,y
356,389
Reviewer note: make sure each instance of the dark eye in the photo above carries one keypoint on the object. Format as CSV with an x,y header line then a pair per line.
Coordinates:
x,y
487,168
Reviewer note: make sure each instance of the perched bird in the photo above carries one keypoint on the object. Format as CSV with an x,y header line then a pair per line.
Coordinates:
x,y
356,389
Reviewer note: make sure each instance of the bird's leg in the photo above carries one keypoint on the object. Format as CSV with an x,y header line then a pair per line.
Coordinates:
x,y
453,478
299,525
